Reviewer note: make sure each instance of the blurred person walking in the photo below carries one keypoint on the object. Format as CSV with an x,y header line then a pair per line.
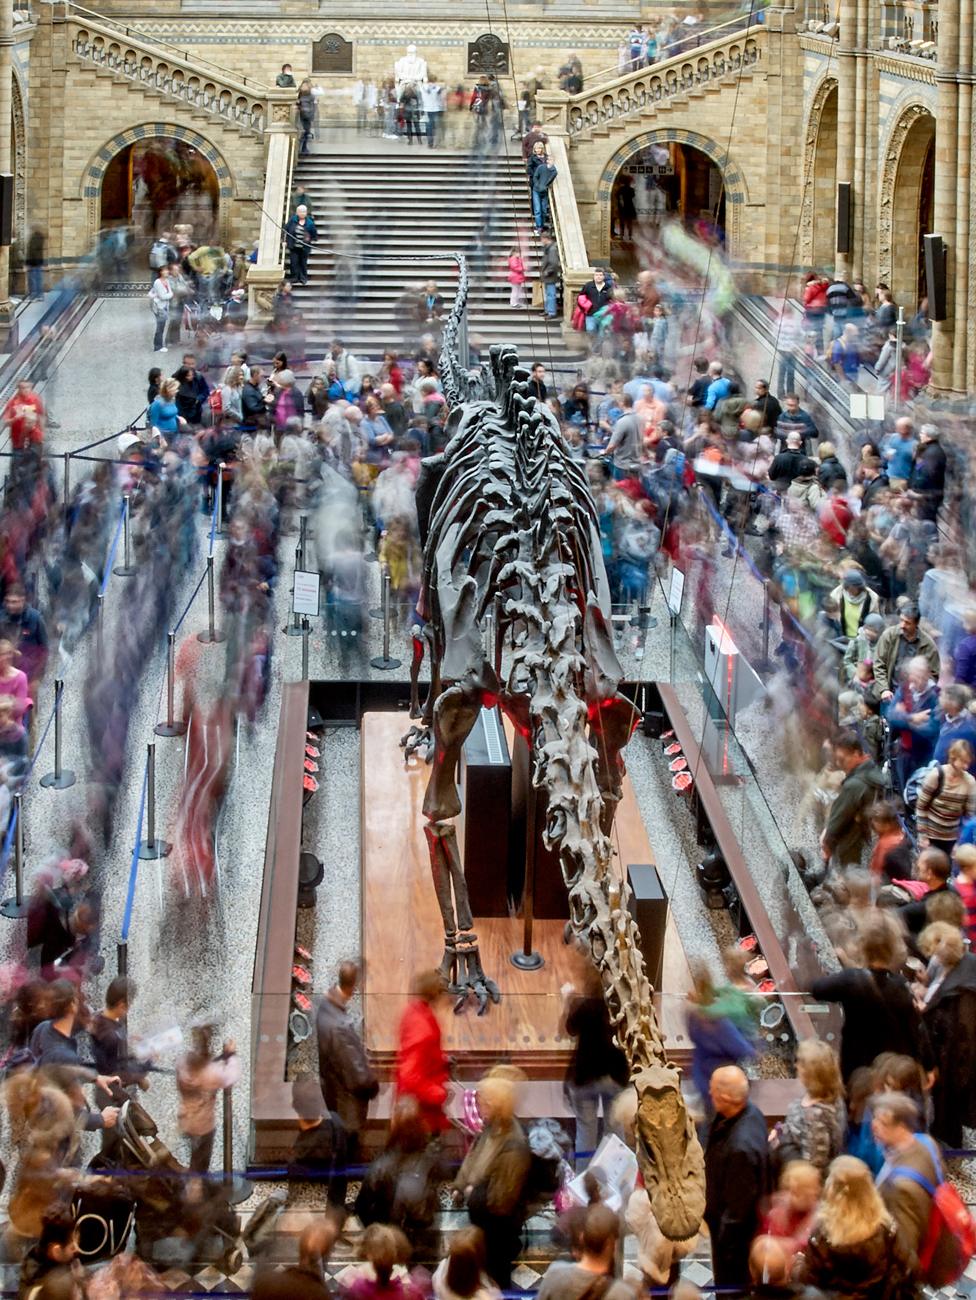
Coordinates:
x,y
199,1078
421,1066
349,1082
736,1155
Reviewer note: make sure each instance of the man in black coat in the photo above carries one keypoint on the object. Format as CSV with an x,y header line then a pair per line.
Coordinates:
x,y
736,1157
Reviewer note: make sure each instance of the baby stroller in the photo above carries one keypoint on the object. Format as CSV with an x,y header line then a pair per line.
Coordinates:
x,y
177,1216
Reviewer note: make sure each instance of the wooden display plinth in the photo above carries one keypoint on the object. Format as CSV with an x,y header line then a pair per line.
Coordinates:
x,y
402,932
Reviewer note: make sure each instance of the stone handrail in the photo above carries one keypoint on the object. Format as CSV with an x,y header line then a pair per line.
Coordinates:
x,y
199,86
267,273
566,223
634,92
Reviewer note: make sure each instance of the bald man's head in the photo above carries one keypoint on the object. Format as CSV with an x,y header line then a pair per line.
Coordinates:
x,y
729,1090
769,1264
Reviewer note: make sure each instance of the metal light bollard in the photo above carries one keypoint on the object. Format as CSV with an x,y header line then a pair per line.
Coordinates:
x,y
384,660
126,569
211,635
151,847
60,778
16,907
238,1189
172,726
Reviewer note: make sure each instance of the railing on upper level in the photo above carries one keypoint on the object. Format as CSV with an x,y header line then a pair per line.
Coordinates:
x,y
200,85
907,27
633,93
684,42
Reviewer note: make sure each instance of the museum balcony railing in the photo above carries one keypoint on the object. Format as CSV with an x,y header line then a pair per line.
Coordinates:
x,y
712,57
161,69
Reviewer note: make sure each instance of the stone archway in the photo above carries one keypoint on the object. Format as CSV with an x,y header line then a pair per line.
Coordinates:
x,y
903,203
818,213
95,171
732,179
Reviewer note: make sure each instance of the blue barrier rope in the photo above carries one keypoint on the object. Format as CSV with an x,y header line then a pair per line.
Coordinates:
x,y
111,555
8,840
196,592
134,865
38,747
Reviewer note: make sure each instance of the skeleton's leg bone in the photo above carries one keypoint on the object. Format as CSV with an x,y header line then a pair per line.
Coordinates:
x,y
415,662
455,713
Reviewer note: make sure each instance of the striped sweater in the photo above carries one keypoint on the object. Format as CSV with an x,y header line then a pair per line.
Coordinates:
x,y
938,814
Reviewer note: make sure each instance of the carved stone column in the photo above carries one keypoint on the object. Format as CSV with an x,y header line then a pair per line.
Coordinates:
x,y
266,274
947,161
784,125
962,378
6,159
846,116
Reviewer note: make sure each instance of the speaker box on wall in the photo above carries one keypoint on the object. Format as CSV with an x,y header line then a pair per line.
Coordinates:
x,y
935,275
845,215
6,209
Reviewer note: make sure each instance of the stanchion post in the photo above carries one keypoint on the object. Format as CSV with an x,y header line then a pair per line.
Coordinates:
x,y
151,847
17,906
211,635
100,625
67,478
384,660
377,610
302,538
306,629
219,528
126,569
294,628
899,348
238,1189
172,726
526,958
59,779
122,957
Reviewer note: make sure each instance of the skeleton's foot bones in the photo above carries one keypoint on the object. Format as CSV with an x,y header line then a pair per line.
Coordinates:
x,y
419,741
465,976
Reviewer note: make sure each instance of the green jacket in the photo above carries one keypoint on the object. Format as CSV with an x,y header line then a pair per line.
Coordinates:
x,y
886,656
847,830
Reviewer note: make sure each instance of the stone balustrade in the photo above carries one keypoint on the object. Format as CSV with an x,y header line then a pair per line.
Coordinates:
x,y
199,87
636,93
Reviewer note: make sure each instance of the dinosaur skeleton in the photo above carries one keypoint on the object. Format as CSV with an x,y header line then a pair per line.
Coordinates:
x,y
509,525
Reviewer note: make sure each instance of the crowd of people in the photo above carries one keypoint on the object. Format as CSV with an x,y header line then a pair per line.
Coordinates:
x,y
863,547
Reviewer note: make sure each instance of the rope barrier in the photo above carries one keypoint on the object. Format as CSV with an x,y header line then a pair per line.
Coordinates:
x,y
111,555
196,592
109,436
38,747
134,865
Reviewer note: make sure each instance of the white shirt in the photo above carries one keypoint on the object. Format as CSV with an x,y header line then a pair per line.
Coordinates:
x,y
432,97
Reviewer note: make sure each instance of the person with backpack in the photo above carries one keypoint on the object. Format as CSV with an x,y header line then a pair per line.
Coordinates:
x,y
847,832
946,796
930,1216
590,1275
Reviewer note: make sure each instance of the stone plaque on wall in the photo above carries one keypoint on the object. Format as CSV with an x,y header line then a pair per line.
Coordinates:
x,y
332,54
488,56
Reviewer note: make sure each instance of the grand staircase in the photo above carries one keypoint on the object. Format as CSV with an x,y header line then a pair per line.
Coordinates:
x,y
392,220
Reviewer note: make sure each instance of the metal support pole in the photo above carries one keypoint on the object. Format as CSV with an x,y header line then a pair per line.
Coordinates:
x,y
464,352
17,906
126,569
151,847
294,628
674,620
67,478
377,610
122,956
219,529
899,340
58,779
172,726
384,661
238,1189
100,625
302,538
211,635
306,628
499,635
527,959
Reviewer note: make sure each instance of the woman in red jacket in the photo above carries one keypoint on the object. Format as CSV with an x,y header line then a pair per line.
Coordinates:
x,y
815,308
421,1067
